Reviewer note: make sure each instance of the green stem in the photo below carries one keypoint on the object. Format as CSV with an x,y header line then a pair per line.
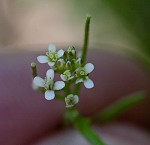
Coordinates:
x,y
77,89
83,126
72,116
67,88
34,70
86,38
85,47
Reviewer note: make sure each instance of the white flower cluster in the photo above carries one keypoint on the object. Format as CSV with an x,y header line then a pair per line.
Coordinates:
x,y
70,68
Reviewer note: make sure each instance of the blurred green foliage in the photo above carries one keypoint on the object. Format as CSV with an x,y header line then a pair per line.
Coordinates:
x,y
135,16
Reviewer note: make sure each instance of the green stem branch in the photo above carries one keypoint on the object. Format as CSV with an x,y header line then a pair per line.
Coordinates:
x,y
86,38
119,107
34,70
85,47
83,126
80,123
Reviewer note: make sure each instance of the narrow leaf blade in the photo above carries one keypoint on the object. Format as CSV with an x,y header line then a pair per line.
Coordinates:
x,y
120,106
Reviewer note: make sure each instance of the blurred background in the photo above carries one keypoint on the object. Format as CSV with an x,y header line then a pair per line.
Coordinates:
x,y
116,25
27,26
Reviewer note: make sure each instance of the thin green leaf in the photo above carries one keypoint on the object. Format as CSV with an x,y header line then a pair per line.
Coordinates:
x,y
120,106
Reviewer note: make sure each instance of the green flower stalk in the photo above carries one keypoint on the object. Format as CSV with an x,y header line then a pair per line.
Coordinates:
x,y
73,71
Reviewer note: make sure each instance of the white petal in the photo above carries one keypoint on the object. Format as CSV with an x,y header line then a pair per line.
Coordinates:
x,y
38,81
50,74
88,83
89,67
52,47
76,99
79,80
63,78
51,64
34,86
49,95
59,85
60,53
42,59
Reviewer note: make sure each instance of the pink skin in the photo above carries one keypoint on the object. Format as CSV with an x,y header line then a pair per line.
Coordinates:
x,y
26,116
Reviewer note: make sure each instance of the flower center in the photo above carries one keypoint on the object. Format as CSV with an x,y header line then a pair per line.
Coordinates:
x,y
52,56
48,84
67,74
82,73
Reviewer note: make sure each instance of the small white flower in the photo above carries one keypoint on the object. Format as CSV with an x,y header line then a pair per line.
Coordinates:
x,y
51,56
82,75
48,84
71,100
67,75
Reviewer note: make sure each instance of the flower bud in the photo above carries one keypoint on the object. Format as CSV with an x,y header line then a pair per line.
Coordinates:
x,y
71,52
68,65
34,70
60,64
78,62
71,100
